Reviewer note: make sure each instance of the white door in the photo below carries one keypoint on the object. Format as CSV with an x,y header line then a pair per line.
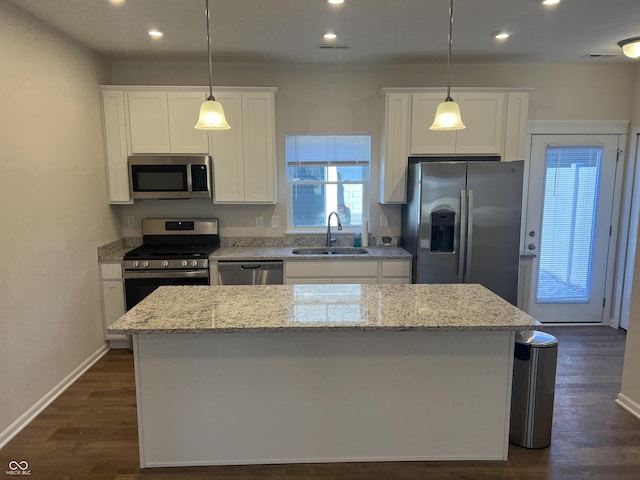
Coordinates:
x,y
571,186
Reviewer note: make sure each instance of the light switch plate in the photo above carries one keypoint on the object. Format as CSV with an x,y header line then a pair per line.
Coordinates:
x,y
131,221
384,221
259,221
275,221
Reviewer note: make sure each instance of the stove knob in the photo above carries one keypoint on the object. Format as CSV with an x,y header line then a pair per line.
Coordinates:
x,y
165,263
136,263
194,263
145,263
184,263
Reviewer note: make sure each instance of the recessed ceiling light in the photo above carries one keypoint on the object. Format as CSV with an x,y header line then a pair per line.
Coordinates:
x,y
336,2
155,33
501,35
117,2
330,36
551,2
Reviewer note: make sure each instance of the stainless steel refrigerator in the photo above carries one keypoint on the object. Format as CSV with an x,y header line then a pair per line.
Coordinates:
x,y
461,223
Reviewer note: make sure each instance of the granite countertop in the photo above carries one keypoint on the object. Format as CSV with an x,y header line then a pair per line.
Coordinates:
x,y
276,308
285,253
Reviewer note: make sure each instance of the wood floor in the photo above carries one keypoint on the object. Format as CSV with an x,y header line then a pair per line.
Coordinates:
x,y
90,432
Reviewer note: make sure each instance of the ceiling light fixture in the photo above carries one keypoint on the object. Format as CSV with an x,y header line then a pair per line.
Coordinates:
x,y
551,2
336,2
330,36
155,33
501,35
448,112
631,47
211,111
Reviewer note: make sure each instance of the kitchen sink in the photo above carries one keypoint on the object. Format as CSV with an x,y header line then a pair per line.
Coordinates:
x,y
330,251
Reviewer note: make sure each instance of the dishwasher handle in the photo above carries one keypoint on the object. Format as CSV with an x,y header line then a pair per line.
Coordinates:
x,y
238,266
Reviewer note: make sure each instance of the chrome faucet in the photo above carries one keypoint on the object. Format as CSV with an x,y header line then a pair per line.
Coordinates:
x,y
330,239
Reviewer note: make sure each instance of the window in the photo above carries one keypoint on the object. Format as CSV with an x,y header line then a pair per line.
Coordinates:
x,y
327,173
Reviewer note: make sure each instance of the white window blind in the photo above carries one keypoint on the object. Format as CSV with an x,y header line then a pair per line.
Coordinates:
x,y
319,149
568,224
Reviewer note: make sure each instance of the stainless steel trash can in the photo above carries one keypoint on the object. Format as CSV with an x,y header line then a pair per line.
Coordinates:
x,y
533,389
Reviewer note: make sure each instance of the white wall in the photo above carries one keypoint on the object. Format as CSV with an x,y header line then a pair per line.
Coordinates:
x,y
631,371
53,210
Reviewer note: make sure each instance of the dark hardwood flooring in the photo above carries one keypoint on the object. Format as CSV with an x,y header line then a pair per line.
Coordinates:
x,y
90,431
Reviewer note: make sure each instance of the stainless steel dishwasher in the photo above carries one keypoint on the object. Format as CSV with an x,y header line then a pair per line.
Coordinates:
x,y
250,273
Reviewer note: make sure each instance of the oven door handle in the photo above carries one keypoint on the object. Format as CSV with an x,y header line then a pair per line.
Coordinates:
x,y
167,274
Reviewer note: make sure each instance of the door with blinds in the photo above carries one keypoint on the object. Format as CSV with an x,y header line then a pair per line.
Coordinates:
x,y
568,225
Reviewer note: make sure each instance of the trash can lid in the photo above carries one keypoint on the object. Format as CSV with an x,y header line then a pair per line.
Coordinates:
x,y
536,338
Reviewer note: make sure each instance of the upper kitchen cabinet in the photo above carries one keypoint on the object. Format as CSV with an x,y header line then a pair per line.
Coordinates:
x,y
115,140
162,122
483,113
244,159
395,148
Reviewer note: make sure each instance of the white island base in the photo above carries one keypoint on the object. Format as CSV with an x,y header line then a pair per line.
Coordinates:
x,y
331,396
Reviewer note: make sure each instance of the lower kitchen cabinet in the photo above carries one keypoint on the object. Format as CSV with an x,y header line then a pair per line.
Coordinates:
x,y
348,272
113,306
395,271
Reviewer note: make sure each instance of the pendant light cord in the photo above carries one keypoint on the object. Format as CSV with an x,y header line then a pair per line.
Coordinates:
x,y
448,99
211,97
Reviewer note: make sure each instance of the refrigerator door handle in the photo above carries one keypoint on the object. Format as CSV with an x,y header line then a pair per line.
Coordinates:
x,y
469,236
463,235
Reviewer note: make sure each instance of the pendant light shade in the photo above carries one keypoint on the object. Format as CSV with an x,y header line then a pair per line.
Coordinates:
x,y
211,111
448,113
631,47
448,116
212,116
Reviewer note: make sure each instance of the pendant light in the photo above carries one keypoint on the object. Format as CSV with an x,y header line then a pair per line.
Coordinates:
x,y
448,112
211,111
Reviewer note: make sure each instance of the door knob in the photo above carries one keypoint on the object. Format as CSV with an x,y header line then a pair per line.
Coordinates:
x,y
531,246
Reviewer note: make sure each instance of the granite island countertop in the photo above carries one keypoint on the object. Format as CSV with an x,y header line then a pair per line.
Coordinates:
x,y
274,308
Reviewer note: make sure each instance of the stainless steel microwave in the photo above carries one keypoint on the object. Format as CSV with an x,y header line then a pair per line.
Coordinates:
x,y
170,177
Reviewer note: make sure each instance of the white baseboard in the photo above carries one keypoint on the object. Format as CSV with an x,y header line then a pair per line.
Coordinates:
x,y
629,405
27,417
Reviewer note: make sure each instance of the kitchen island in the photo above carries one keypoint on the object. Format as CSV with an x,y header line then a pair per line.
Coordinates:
x,y
322,373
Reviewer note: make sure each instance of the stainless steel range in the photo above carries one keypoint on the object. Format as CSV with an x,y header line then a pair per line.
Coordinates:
x,y
173,252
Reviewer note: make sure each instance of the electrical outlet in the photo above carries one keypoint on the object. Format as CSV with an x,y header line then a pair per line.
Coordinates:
x,y
131,221
384,221
259,221
275,221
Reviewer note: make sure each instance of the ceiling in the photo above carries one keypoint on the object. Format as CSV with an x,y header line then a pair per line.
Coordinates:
x,y
376,31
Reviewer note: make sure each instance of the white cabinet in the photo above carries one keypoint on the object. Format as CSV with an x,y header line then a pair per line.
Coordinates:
x,y
336,271
515,126
113,306
395,148
348,271
184,110
115,139
395,271
163,122
425,141
244,157
483,113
